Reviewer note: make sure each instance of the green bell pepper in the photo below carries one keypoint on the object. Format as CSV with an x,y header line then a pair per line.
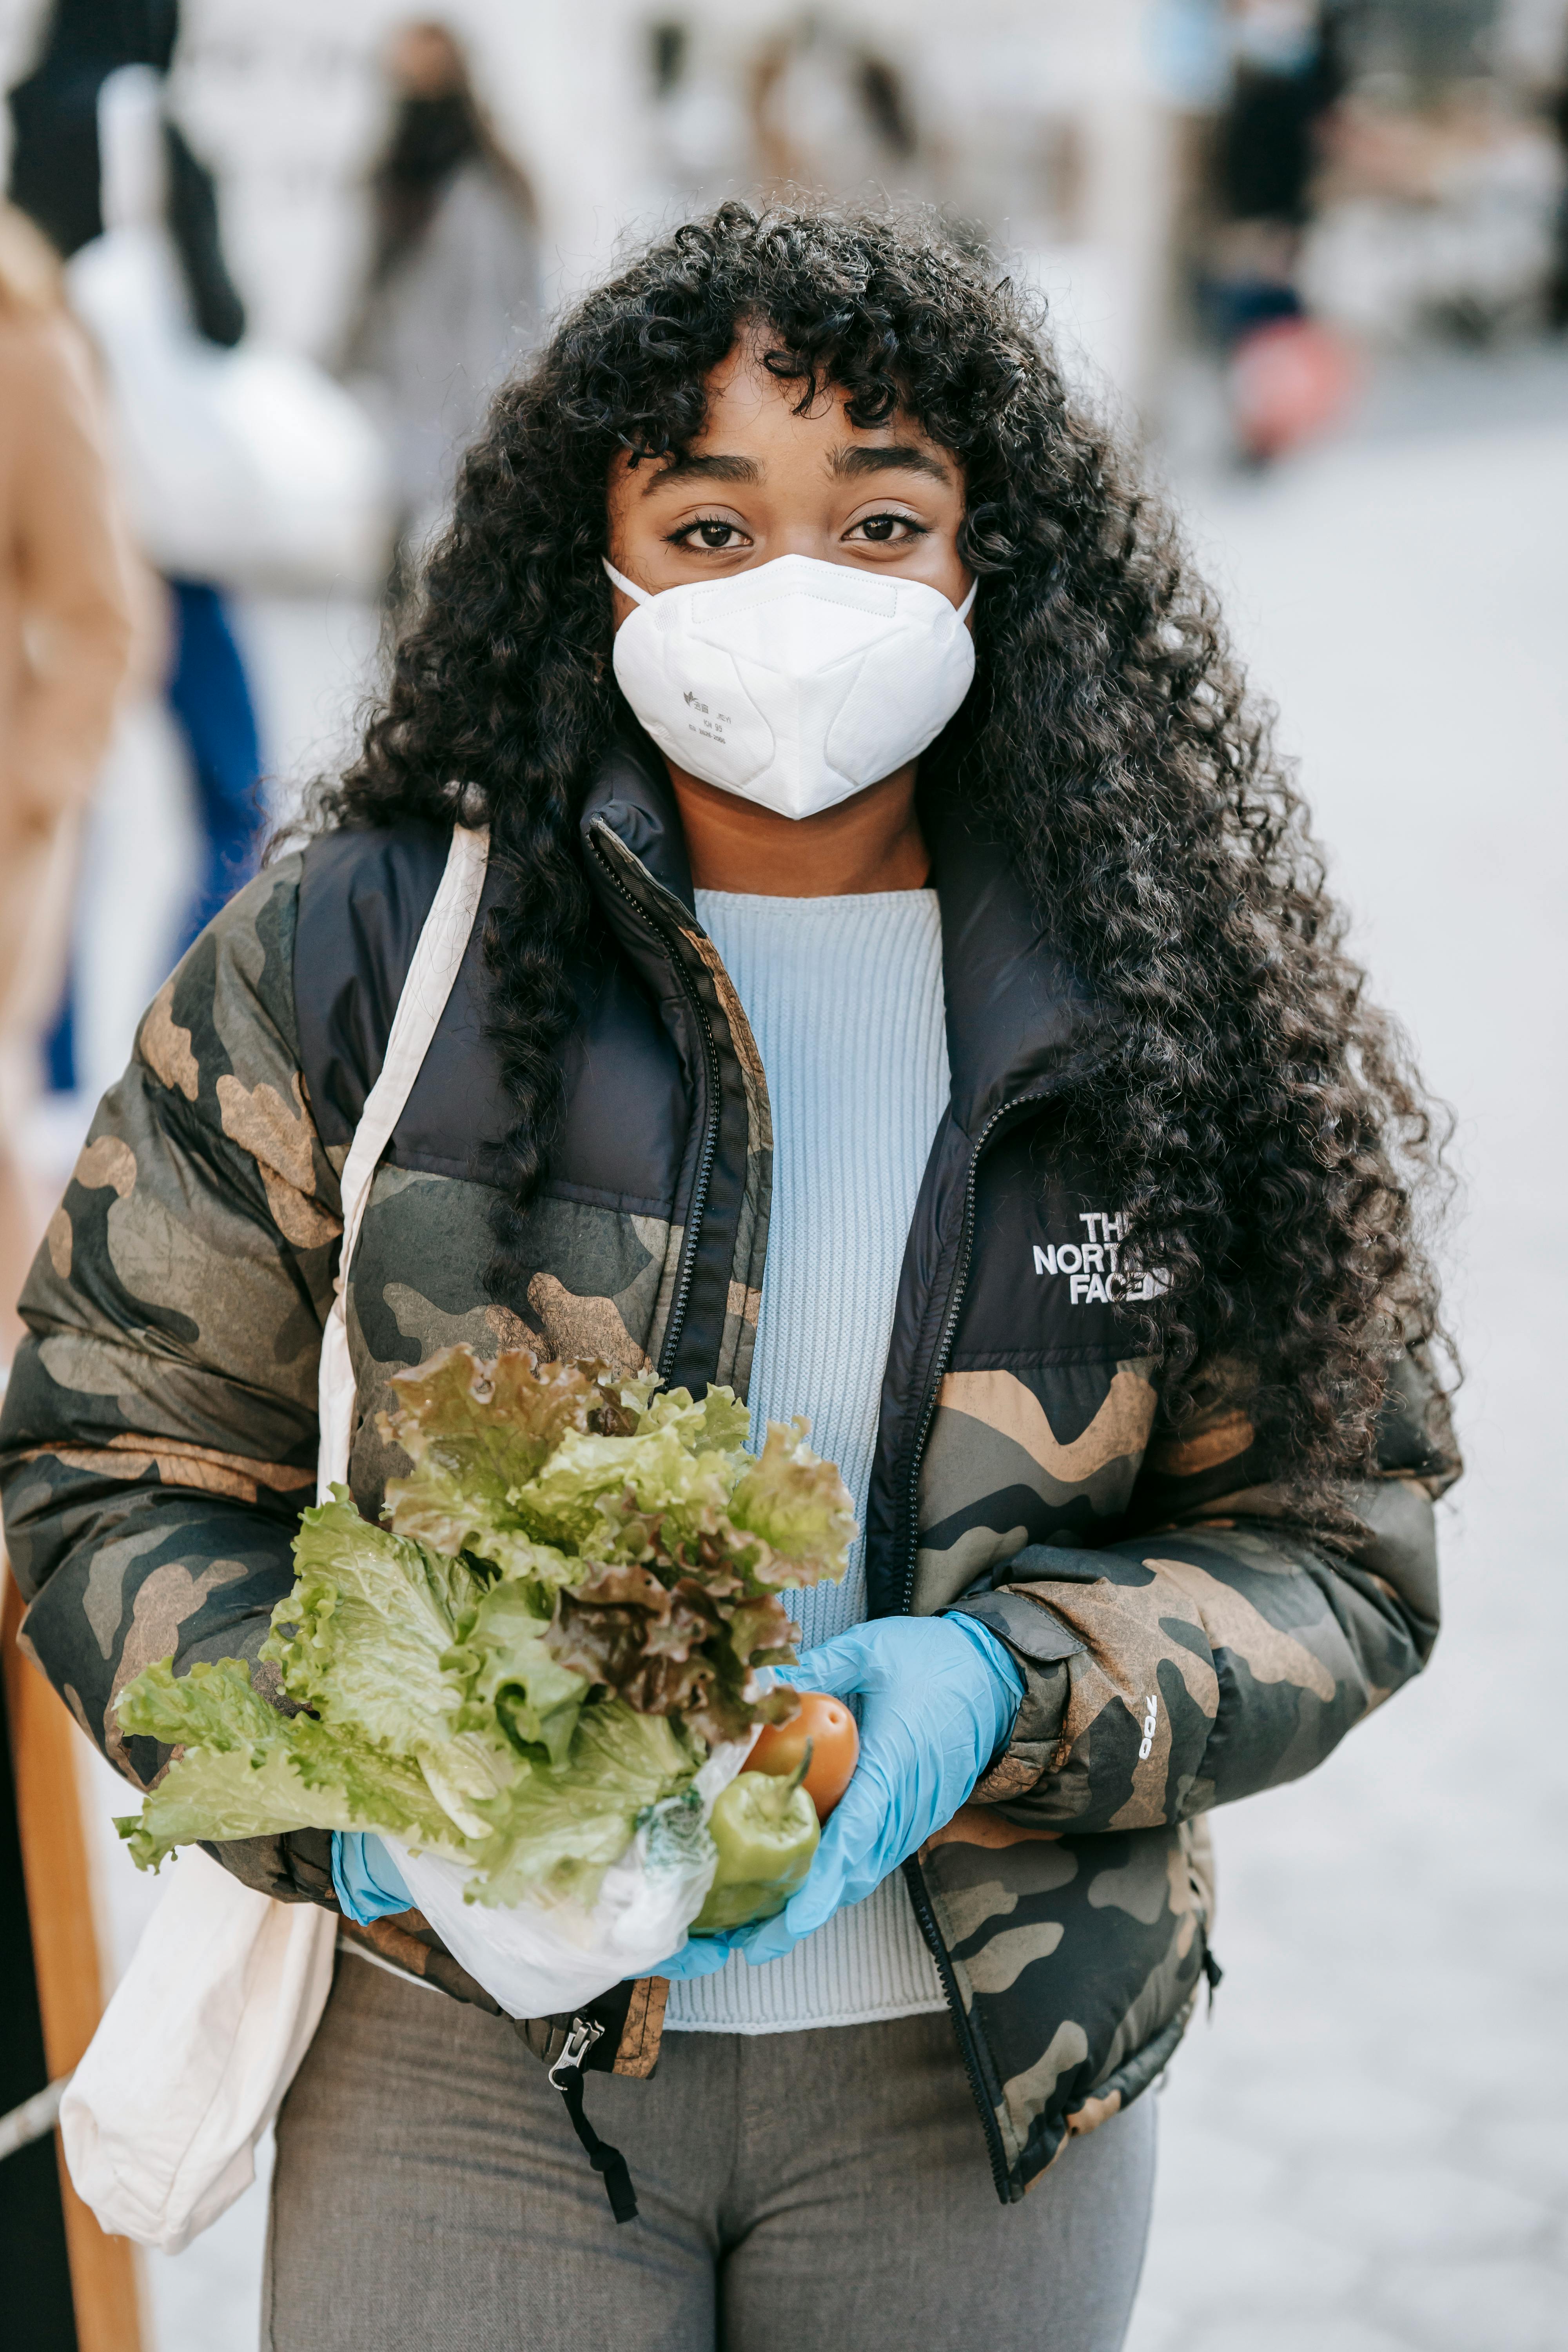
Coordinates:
x,y
767,1831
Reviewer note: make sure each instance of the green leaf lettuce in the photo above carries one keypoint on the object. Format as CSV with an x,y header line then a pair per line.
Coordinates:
x,y
576,1584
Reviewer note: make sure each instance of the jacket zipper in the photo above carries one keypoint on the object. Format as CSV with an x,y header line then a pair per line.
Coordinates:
x,y
924,1914
926,1918
687,1269
949,1325
920,1899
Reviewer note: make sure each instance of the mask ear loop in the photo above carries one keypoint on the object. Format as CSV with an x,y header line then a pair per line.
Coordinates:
x,y
964,610
645,596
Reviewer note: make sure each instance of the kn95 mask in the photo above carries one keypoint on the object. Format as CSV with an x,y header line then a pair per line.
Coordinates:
x,y
797,684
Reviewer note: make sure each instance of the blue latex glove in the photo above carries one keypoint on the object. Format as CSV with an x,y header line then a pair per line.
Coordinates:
x,y
368,1882
936,1697
701,1956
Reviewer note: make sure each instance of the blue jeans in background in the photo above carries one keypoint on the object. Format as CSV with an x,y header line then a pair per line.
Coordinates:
x,y
209,698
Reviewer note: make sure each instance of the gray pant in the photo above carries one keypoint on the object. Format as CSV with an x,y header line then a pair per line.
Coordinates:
x,y
797,2190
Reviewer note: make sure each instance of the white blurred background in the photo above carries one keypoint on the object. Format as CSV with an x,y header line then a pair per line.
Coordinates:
x,y
1364,2150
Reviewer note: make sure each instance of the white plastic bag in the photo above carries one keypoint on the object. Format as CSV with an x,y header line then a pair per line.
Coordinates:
x,y
247,467
546,1960
193,2054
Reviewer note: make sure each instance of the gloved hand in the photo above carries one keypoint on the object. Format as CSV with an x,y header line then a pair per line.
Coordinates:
x,y
937,1697
702,1956
368,1882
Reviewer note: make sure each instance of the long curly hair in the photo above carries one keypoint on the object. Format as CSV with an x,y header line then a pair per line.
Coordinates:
x,y
1259,1120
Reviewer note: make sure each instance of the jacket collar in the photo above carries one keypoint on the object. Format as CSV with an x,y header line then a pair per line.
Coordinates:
x,y
1019,1019
633,796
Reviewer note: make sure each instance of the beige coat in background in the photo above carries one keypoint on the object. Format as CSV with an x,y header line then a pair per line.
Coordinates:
x,y
65,624
65,599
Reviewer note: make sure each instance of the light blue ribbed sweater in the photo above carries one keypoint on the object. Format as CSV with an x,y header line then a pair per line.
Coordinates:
x,y
845,1000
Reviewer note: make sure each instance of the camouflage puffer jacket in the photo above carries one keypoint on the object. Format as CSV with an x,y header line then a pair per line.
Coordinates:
x,y
1185,1639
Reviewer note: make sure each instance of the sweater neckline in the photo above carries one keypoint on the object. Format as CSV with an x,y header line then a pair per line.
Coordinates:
x,y
818,902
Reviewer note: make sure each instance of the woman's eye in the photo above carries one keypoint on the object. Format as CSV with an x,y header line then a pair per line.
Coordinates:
x,y
717,536
887,530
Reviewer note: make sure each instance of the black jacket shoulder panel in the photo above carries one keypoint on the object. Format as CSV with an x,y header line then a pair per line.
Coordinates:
x,y
363,897
458,1105
1019,1015
627,1114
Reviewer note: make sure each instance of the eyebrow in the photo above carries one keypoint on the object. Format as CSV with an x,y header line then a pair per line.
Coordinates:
x,y
894,457
686,467
853,458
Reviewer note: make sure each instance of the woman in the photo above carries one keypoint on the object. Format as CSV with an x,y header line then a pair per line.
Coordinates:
x,y
102,167
914,998
65,640
453,288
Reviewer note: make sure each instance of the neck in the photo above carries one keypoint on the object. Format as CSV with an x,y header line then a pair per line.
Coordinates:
x,y
870,843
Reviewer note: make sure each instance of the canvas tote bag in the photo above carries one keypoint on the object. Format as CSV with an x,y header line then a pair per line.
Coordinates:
x,y
207,2026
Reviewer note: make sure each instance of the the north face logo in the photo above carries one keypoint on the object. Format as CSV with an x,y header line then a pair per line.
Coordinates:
x,y
1091,1268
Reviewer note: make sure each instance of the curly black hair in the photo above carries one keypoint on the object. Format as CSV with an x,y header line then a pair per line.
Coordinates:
x,y
1261,1122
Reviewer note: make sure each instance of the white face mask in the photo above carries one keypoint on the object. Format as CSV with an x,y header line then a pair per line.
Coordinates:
x,y
797,684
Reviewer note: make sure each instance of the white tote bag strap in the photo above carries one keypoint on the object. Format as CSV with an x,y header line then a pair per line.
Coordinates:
x,y
436,961
209,2023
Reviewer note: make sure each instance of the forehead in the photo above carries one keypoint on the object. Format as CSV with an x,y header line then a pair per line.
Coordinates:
x,y
745,399
755,431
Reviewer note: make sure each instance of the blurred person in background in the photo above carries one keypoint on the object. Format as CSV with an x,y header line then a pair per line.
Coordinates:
x,y
77,121
1289,376
453,292
1557,282
56,154
832,113
1286,78
65,639
905,984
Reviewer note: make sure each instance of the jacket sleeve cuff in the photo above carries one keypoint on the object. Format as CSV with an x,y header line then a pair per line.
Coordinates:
x,y
1041,1645
292,1867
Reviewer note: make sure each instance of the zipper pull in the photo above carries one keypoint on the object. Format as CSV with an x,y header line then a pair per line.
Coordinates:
x,y
607,2162
585,2031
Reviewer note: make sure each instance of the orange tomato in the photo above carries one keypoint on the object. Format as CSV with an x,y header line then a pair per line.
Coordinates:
x,y
835,1749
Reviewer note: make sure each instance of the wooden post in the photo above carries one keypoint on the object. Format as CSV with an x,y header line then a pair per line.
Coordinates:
x,y
106,2280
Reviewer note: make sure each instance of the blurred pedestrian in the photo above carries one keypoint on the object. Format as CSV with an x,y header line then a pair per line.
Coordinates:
x,y
452,292
1287,75
832,113
1289,376
1557,282
65,635
56,155
146,188
97,153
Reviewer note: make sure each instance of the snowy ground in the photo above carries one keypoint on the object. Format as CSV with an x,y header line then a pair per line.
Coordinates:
x,y
1366,2150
